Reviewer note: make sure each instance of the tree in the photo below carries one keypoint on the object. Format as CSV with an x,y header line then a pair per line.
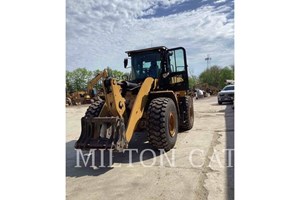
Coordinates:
x,y
192,82
226,74
69,82
77,80
114,73
217,76
211,76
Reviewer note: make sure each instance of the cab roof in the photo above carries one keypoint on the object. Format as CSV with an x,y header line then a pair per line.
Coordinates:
x,y
147,49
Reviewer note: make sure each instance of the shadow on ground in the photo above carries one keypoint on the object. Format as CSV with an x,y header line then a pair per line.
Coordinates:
x,y
103,159
229,123
229,120
224,103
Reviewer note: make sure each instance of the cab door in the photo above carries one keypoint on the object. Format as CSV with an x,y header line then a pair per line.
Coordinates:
x,y
177,67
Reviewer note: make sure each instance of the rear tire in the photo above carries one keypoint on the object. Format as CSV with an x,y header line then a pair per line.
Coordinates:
x,y
162,121
187,121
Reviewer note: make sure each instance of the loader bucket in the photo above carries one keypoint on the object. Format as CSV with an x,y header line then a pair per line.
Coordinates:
x,y
95,135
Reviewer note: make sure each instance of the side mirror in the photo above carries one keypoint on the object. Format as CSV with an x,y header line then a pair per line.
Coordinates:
x,y
125,62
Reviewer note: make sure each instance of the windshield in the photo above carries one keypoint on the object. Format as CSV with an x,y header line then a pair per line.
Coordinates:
x,y
229,88
145,64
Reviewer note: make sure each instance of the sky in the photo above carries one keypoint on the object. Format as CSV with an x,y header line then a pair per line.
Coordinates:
x,y
100,31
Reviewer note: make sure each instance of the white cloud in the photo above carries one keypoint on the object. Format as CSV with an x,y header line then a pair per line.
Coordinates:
x,y
220,1
98,33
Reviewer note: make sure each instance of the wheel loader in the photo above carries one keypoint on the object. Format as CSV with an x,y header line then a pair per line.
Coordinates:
x,y
155,98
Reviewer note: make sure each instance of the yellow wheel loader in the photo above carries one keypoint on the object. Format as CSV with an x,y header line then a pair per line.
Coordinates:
x,y
155,98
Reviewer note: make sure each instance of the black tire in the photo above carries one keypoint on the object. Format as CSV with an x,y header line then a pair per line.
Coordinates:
x,y
162,121
220,102
94,109
187,119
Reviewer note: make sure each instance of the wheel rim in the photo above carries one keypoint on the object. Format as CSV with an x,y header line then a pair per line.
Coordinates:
x,y
172,125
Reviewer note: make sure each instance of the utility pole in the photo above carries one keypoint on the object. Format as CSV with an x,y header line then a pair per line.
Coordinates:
x,y
207,59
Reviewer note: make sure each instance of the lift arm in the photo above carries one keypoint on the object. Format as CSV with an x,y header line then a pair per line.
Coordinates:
x,y
138,107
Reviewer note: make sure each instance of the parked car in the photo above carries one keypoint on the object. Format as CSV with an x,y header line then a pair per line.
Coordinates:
x,y
226,94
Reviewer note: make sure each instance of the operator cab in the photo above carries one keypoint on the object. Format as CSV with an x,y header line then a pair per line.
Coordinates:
x,y
169,66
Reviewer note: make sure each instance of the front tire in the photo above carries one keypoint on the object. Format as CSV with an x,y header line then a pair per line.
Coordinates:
x,y
94,109
220,102
162,121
